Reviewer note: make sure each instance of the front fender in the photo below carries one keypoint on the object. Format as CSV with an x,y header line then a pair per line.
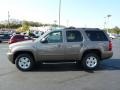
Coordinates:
x,y
25,49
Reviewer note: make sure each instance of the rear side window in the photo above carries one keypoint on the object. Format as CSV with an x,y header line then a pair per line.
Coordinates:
x,y
96,35
73,36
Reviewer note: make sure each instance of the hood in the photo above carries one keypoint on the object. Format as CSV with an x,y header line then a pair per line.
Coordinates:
x,y
23,43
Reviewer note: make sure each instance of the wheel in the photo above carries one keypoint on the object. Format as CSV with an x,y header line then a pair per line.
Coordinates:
x,y
90,61
0,41
24,62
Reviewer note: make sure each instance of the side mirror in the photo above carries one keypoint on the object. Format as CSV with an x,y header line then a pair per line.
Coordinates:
x,y
43,40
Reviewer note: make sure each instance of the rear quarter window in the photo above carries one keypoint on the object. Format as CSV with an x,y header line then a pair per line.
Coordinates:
x,y
96,35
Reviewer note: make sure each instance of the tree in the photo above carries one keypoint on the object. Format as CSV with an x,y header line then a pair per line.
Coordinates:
x,y
14,26
116,30
25,26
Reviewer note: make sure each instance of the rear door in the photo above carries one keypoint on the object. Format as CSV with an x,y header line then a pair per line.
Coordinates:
x,y
73,45
98,39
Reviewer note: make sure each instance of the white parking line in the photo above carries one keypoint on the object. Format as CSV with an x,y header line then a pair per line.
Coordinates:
x,y
4,48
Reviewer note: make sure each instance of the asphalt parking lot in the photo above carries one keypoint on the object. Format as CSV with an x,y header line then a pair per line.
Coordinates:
x,y
61,76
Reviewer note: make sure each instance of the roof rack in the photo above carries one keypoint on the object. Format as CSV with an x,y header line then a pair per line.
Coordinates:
x,y
90,28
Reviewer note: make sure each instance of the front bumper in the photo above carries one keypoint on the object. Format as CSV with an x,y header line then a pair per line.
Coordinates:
x,y
10,57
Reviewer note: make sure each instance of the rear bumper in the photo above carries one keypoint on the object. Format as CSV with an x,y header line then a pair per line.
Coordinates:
x,y
107,55
10,57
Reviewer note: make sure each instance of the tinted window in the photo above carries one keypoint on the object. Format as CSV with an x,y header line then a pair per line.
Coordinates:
x,y
1,35
5,36
19,37
73,36
96,36
55,37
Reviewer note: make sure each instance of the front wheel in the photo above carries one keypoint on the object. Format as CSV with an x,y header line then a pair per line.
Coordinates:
x,y
24,62
90,61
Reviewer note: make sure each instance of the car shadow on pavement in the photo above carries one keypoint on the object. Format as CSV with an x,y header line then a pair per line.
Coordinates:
x,y
57,67
111,64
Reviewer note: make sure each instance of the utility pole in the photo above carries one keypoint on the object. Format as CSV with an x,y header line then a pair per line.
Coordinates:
x,y
8,19
59,12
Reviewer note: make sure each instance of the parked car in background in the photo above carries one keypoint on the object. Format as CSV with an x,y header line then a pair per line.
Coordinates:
x,y
38,33
4,37
112,36
19,38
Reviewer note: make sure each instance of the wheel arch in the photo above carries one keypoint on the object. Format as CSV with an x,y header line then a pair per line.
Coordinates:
x,y
22,52
95,51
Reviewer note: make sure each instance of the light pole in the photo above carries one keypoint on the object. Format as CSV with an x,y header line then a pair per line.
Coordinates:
x,y
105,23
108,16
67,22
59,12
55,24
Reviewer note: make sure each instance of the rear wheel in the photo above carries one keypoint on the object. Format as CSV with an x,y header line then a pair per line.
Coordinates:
x,y
24,62
90,61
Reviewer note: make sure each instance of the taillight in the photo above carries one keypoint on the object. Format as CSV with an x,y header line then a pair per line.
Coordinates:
x,y
110,46
9,41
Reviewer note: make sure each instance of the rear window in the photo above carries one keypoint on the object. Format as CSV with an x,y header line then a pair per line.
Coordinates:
x,y
1,35
96,35
18,37
5,36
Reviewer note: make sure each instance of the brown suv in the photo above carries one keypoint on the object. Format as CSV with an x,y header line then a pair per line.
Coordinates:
x,y
87,46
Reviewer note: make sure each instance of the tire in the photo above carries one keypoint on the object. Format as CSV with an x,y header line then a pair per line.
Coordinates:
x,y
24,62
90,61
0,41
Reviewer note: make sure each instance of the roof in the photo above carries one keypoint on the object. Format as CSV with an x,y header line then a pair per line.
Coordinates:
x,y
73,28
81,29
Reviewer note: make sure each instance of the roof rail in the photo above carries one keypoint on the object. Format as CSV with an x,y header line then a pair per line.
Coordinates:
x,y
70,28
90,28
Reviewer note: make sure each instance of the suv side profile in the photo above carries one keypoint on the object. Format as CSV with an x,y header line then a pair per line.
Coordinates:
x,y
87,46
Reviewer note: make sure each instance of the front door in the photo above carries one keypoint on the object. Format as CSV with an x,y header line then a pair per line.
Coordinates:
x,y
52,48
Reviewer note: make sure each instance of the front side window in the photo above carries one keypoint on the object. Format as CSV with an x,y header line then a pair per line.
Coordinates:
x,y
73,36
55,37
